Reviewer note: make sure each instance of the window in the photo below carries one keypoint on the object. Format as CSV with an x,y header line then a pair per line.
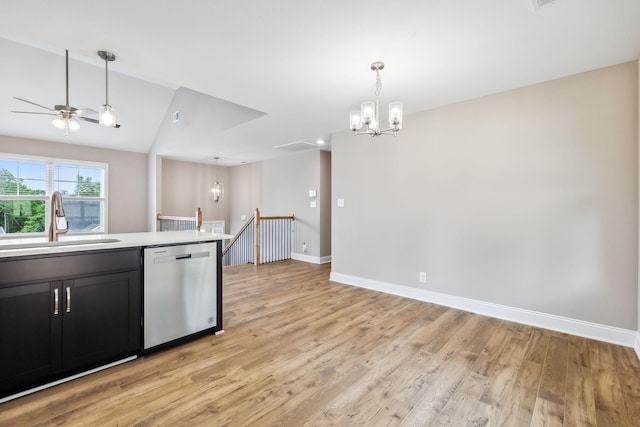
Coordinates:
x,y
26,185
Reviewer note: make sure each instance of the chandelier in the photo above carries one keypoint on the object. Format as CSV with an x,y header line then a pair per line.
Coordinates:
x,y
369,115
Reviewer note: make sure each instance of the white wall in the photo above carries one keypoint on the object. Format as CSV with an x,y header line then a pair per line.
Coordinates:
x,y
127,187
527,199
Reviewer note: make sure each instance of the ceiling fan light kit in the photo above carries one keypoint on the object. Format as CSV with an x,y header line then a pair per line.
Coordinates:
x,y
66,124
369,116
67,117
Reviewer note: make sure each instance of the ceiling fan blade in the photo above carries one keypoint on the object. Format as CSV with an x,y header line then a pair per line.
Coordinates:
x,y
34,112
29,102
84,111
90,120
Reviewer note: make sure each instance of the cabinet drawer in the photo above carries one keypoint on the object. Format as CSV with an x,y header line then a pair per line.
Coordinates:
x,y
67,265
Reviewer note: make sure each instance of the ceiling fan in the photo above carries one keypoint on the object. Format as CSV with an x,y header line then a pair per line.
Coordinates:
x,y
66,116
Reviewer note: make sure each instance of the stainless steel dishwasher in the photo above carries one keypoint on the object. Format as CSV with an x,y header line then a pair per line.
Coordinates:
x,y
179,291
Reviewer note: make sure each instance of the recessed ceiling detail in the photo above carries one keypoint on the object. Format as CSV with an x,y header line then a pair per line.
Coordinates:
x,y
297,146
537,4
200,118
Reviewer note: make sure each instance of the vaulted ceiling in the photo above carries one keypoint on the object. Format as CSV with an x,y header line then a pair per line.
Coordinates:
x,y
249,75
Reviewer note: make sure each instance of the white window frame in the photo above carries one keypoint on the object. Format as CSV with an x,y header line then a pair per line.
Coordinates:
x,y
50,163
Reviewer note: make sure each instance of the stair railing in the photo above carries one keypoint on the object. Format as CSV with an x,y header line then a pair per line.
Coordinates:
x,y
260,240
180,223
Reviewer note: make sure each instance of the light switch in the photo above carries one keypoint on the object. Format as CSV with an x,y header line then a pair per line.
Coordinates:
x,y
313,204
341,203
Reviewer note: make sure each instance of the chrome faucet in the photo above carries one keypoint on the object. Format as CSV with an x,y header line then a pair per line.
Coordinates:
x,y
57,211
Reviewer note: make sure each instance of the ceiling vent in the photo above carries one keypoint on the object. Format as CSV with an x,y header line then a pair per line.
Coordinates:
x,y
537,4
296,146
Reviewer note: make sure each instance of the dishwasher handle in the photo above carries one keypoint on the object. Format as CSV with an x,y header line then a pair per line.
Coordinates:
x,y
180,257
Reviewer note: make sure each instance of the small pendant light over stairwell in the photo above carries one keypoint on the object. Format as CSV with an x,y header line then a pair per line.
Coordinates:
x,y
216,192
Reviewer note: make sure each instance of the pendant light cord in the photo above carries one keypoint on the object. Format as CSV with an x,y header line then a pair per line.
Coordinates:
x,y
106,78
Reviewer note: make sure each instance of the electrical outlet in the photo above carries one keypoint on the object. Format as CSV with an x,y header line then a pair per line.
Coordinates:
x,y
304,248
423,277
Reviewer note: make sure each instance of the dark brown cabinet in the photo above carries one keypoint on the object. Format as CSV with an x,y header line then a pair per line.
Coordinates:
x,y
103,320
30,334
60,315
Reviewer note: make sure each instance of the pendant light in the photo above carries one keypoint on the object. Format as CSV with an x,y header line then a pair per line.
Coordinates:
x,y
107,115
216,192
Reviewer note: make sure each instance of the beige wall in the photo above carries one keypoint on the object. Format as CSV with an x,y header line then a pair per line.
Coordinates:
x,y
185,187
325,206
281,187
247,196
527,198
127,185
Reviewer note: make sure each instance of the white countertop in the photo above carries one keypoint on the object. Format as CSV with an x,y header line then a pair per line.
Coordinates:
x,y
126,240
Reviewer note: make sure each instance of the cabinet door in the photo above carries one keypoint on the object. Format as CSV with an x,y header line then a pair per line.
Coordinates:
x,y
30,334
101,319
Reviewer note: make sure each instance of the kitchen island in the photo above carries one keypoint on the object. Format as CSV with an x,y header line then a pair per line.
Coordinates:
x,y
76,305
75,243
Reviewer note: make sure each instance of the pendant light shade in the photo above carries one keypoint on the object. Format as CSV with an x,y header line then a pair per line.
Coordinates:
x,y
107,116
216,191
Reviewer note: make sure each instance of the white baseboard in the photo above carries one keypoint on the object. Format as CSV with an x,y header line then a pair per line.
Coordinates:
x,y
614,335
311,259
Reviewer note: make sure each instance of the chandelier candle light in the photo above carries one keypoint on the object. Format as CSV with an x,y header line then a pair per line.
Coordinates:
x,y
369,116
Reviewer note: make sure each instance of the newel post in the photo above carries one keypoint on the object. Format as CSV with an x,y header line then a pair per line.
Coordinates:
x,y
256,238
198,219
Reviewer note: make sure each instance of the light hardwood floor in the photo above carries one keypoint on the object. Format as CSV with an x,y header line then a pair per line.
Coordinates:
x,y
299,350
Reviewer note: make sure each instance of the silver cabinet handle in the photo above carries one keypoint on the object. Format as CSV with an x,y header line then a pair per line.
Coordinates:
x,y
55,301
68,299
